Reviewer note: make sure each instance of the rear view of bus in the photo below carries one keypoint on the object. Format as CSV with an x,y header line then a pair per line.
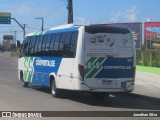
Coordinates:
x,y
109,63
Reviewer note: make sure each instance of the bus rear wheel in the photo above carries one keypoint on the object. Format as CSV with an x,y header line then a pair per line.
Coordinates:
x,y
54,91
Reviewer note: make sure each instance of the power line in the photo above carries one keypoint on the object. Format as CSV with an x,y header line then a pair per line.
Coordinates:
x,y
48,11
58,19
32,28
54,9
58,15
62,21
42,22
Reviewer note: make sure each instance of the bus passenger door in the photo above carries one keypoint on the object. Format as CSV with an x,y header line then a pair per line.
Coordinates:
x,y
65,74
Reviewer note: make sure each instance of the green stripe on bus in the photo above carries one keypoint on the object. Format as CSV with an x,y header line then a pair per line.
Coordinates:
x,y
35,33
25,68
92,73
90,61
96,68
38,33
28,69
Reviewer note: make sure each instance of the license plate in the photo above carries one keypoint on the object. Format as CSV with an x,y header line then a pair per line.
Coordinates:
x,y
107,82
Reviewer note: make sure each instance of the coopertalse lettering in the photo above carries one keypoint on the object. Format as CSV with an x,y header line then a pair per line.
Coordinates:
x,y
50,63
117,67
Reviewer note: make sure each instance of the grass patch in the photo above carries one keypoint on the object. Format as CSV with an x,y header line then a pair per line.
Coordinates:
x,y
14,54
154,70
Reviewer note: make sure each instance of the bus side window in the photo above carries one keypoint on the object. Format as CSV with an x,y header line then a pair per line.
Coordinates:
x,y
56,45
36,45
28,46
44,44
40,46
47,45
25,48
61,44
32,47
51,46
73,44
66,45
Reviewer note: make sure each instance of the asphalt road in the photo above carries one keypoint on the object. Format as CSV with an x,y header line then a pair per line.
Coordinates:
x,y
13,97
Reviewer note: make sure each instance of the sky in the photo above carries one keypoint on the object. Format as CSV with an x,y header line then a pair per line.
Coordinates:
x,y
54,13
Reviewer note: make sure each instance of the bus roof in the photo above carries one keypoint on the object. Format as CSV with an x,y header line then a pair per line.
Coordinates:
x,y
88,28
55,30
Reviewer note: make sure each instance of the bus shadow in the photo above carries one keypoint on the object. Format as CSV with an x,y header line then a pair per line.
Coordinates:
x,y
119,100
114,100
40,88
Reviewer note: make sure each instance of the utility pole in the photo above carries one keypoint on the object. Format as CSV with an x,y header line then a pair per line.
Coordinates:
x,y
24,33
14,42
23,27
15,35
42,22
70,11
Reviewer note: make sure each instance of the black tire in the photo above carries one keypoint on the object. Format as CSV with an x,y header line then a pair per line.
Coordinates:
x,y
24,84
21,75
54,91
98,95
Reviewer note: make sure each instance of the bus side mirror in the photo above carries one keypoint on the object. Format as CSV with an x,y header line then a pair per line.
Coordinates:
x,y
18,44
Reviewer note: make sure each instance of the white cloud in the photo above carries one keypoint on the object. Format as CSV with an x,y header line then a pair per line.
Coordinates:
x,y
81,21
130,15
25,9
22,9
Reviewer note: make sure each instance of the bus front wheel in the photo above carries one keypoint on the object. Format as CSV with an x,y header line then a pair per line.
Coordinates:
x,y
24,84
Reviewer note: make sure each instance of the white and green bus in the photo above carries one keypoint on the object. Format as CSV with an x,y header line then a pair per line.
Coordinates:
x,y
98,59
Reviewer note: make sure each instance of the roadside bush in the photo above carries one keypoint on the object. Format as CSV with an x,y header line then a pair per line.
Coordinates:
x,y
147,58
14,54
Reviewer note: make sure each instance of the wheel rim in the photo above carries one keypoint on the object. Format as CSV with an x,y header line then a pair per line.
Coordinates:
x,y
53,88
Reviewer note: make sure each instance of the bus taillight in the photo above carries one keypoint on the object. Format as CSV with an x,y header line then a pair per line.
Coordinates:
x,y
81,70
